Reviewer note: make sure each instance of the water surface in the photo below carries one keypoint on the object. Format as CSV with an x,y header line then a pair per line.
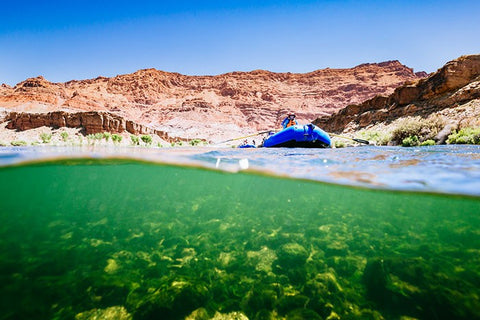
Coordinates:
x,y
159,234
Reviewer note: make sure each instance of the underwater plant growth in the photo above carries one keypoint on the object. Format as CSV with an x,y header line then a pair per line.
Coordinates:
x,y
158,241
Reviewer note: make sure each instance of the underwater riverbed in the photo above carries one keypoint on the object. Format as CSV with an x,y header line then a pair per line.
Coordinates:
x,y
189,233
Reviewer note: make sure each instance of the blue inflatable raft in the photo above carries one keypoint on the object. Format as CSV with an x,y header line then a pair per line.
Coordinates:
x,y
299,136
246,146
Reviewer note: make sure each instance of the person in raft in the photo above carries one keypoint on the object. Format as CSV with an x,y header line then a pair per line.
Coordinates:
x,y
289,121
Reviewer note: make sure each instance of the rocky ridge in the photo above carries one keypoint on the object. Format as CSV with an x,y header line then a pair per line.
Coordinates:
x,y
453,92
209,107
90,122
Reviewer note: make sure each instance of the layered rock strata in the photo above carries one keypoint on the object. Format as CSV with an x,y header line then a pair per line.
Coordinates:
x,y
91,122
454,85
210,106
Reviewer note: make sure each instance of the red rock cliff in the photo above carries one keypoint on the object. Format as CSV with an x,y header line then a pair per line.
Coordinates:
x,y
210,106
91,122
455,83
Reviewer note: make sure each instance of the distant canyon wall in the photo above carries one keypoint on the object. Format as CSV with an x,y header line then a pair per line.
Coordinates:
x,y
210,106
90,122
457,83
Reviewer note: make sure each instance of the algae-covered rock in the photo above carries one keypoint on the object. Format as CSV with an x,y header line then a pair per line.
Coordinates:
x,y
198,314
259,298
262,259
291,259
108,294
112,266
412,287
347,266
292,254
288,303
265,314
112,313
324,291
174,302
330,280
235,315
336,248
333,316
302,314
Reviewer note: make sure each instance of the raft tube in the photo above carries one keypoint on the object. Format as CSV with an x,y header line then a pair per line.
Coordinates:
x,y
246,146
299,136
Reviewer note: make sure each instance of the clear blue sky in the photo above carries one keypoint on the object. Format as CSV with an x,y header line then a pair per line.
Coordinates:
x,y
64,40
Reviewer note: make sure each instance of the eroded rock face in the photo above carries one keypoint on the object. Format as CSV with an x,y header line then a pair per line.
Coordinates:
x,y
458,82
91,122
210,106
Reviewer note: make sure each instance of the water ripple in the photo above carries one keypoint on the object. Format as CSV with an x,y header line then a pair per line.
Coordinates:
x,y
445,169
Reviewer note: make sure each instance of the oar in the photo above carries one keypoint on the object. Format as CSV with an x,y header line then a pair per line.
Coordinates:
x,y
244,137
354,139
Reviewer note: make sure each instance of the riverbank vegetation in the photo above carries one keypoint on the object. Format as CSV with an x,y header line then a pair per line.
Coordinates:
x,y
73,137
465,136
407,132
417,131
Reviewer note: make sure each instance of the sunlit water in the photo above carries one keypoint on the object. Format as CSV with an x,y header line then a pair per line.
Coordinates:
x,y
358,233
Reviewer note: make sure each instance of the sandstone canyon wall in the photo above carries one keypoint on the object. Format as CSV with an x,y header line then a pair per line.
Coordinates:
x,y
209,107
453,92
91,122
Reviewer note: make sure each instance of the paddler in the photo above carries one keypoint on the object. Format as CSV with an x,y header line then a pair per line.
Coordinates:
x,y
289,121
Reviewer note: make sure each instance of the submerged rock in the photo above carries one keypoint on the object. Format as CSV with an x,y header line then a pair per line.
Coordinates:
x,y
259,298
112,313
174,302
262,259
288,303
301,314
198,314
229,316
412,287
292,254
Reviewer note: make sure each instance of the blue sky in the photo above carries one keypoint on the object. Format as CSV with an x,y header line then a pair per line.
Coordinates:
x,y
64,40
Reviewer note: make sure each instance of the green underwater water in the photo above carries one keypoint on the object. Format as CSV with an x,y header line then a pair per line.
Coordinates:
x,y
163,241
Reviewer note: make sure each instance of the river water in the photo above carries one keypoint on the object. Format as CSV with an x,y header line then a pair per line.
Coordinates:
x,y
353,233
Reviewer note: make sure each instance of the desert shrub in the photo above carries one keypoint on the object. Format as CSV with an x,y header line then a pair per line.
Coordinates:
x,y
423,129
134,140
195,142
339,144
46,137
116,138
18,143
107,135
428,143
466,135
98,136
160,145
147,139
64,136
3,144
91,138
381,138
411,141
